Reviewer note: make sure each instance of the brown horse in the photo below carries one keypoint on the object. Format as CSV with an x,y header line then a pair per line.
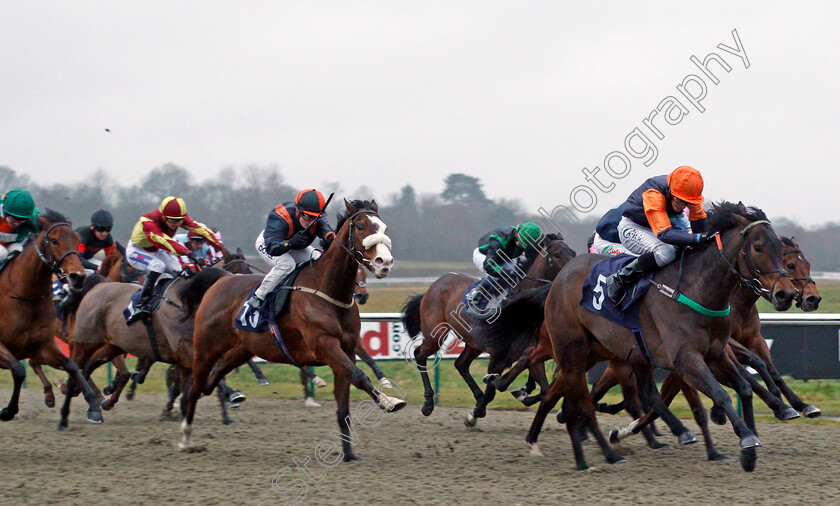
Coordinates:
x,y
319,325
361,293
678,337
439,311
27,316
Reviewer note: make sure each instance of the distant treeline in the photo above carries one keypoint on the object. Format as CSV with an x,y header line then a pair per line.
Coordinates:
x,y
428,227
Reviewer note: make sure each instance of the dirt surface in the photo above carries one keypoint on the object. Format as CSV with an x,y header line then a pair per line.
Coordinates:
x,y
406,458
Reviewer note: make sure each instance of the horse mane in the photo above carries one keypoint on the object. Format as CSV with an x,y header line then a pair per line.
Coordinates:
x,y
194,289
359,205
722,216
71,305
53,216
553,237
521,318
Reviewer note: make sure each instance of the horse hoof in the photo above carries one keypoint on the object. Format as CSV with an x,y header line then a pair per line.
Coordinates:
x,y
309,402
717,415
750,441
716,456
534,449
227,421
191,448
787,414
108,390
129,395
661,446
519,395
61,425
349,457
618,459
263,382
687,438
469,420
584,467
319,382
562,420
50,402
390,404
7,415
613,436
107,405
811,411
748,458
488,378
94,416
427,409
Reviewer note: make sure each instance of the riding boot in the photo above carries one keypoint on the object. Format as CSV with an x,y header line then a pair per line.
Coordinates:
x,y
618,283
142,309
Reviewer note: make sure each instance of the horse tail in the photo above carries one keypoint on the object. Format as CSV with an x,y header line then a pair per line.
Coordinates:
x,y
411,314
71,303
194,289
520,319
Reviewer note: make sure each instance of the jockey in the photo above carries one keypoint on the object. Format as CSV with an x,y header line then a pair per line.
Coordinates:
x,y
96,237
287,239
196,243
503,256
19,219
653,225
153,250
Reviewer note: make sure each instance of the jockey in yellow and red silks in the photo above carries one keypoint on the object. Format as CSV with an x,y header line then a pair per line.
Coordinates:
x,y
153,250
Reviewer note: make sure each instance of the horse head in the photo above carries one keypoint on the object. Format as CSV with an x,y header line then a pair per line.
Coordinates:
x,y
758,263
57,246
558,254
366,237
799,268
235,263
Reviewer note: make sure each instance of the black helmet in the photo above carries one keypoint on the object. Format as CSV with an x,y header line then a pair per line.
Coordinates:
x,y
102,218
310,201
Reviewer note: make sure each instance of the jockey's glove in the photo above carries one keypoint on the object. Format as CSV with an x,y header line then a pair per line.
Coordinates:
x,y
196,259
298,241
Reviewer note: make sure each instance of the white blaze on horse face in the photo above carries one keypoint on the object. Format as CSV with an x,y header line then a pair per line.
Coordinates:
x,y
383,261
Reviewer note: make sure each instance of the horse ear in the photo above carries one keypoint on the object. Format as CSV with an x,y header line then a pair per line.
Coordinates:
x,y
795,242
239,252
351,209
374,206
741,220
741,206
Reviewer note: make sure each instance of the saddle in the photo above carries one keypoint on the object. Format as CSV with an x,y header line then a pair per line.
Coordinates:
x,y
158,293
273,305
473,310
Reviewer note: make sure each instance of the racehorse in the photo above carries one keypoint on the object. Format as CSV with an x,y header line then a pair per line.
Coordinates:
x,y
361,293
689,337
439,311
319,325
27,314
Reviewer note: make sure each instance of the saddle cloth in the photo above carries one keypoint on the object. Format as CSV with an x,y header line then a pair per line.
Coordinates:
x,y
594,293
157,296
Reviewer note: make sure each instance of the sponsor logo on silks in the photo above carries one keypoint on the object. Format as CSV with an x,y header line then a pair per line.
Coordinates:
x,y
139,257
250,317
598,291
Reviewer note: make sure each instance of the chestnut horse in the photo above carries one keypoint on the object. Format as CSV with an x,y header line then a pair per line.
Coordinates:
x,y
439,311
319,325
27,316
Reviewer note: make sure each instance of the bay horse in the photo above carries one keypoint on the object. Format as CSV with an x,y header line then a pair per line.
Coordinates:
x,y
440,310
319,324
678,337
27,315
361,293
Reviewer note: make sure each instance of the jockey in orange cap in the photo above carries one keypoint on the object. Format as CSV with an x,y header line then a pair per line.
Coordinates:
x,y
653,225
287,239
153,250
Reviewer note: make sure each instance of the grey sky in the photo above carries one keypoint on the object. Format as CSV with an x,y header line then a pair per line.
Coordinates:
x,y
521,94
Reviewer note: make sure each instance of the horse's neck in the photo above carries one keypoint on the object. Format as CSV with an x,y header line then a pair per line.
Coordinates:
x,y
31,276
706,277
336,271
743,300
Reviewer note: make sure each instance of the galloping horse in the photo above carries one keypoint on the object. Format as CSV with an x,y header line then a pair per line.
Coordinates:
x,y
361,293
678,336
27,314
440,310
319,325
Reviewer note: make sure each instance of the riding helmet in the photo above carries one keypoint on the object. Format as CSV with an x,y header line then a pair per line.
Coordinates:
x,y
102,218
310,201
686,184
173,207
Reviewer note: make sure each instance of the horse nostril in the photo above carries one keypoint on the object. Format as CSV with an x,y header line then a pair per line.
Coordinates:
x,y
813,300
378,261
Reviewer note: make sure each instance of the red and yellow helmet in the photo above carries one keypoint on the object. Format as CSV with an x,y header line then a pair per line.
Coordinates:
x,y
310,201
173,207
686,184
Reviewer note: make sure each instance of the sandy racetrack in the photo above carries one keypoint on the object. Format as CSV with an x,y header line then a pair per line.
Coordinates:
x,y
406,458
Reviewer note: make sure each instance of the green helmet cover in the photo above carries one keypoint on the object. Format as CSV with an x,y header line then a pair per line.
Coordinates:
x,y
528,233
19,203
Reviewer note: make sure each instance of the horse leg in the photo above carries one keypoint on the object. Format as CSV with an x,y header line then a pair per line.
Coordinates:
x,y
670,388
341,391
633,404
780,410
8,361
49,396
537,368
51,355
427,348
220,393
462,364
173,388
138,376
118,359
699,412
725,370
741,355
602,385
524,362
550,396
808,410
480,409
650,395
261,379
362,353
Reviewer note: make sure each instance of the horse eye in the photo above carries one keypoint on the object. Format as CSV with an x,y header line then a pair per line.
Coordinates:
x,y
53,241
360,227
791,266
757,248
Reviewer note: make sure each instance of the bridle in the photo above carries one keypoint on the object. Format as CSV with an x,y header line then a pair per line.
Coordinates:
x,y
808,280
752,283
351,250
46,255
